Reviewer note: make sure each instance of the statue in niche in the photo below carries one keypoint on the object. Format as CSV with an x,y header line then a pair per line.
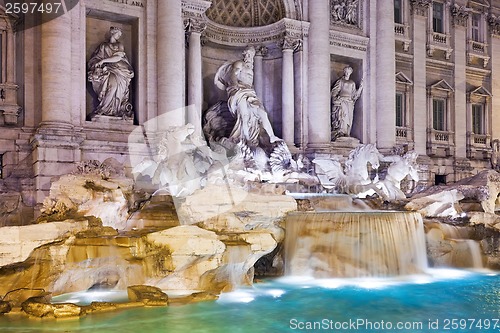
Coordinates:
x,y
344,96
251,117
110,73
241,125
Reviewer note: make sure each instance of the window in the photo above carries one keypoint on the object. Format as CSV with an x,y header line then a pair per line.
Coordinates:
x,y
438,114
476,27
478,119
438,17
398,11
400,109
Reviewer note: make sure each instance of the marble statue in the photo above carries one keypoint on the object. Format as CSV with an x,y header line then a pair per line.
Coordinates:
x,y
400,168
242,127
110,73
251,117
344,96
182,162
495,154
351,177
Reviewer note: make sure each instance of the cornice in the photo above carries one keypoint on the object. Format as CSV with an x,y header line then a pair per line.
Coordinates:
x,y
272,33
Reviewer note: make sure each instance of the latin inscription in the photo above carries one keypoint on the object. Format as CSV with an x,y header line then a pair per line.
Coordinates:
x,y
135,3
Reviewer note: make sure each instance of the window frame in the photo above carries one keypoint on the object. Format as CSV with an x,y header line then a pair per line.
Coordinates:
x,y
399,19
478,29
478,114
442,18
439,123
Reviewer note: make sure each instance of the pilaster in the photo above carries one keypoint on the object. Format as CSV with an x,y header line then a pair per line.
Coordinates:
x,y
494,26
460,16
420,115
386,68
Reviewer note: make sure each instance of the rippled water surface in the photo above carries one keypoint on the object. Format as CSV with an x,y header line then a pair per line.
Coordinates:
x,y
442,301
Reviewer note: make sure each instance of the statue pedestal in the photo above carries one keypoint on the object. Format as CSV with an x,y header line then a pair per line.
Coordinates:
x,y
341,146
111,120
344,145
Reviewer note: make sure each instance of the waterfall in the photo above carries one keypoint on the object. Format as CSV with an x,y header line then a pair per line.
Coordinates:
x,y
453,246
354,244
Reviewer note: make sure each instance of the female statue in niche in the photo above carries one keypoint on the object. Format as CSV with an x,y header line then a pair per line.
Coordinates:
x,y
344,95
110,73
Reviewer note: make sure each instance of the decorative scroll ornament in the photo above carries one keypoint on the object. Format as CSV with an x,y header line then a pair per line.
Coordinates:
x,y
344,11
460,15
420,7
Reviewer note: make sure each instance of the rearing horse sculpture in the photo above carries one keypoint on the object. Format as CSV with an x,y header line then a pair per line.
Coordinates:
x,y
354,177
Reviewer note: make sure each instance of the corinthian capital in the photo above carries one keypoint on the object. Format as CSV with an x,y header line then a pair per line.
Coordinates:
x,y
460,15
194,25
289,43
420,7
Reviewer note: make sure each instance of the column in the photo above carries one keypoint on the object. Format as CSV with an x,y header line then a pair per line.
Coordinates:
x,y
170,63
55,144
319,132
56,72
386,70
287,93
460,17
300,75
420,10
258,78
195,78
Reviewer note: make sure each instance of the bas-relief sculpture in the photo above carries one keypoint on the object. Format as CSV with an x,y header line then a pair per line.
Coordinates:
x,y
344,95
110,73
345,11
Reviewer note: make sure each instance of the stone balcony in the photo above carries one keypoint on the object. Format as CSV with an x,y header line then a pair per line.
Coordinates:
x,y
440,143
402,35
478,146
441,42
477,50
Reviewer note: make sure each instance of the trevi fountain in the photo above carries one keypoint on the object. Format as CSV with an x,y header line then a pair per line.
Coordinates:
x,y
232,230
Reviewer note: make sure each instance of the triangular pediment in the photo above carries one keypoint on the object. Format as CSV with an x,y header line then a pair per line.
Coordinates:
x,y
442,85
403,79
480,91
484,3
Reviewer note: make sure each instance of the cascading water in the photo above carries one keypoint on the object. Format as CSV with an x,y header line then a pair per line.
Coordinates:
x,y
354,244
452,246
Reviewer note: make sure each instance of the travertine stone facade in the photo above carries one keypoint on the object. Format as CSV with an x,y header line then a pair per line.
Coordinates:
x,y
430,70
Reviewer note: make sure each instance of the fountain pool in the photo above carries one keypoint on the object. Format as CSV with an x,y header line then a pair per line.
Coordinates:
x,y
442,300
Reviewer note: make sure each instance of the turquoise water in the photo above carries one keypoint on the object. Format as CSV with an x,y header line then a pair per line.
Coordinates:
x,y
443,301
